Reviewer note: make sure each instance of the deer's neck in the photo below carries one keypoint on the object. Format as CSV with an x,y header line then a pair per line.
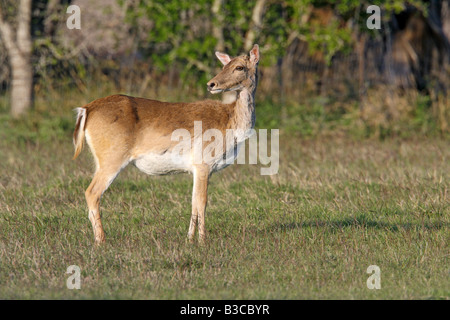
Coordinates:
x,y
244,110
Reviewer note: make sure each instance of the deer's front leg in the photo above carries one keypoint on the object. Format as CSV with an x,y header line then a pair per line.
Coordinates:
x,y
199,199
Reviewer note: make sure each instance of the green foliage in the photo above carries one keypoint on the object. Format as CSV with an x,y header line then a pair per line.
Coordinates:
x,y
330,40
346,7
181,32
172,39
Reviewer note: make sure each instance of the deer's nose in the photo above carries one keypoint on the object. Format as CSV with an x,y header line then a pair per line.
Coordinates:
x,y
211,85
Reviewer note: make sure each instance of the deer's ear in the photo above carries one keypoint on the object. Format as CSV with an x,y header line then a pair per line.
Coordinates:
x,y
223,57
254,54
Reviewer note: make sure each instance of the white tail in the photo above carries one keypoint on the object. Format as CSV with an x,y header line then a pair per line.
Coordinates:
x,y
120,130
78,135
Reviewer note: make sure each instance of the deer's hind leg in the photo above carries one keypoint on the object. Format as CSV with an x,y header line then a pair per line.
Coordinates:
x,y
107,170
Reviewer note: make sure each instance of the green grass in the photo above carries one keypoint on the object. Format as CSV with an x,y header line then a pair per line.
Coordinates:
x,y
337,206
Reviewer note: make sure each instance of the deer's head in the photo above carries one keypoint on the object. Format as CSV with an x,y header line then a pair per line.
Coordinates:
x,y
237,74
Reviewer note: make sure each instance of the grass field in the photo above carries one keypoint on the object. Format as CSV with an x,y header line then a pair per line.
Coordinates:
x,y
337,206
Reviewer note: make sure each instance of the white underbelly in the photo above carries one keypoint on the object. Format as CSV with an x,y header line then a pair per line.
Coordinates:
x,y
161,164
167,163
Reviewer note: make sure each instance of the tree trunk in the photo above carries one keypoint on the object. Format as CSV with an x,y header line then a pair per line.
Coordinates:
x,y
22,85
19,46
256,25
217,30
217,25
252,33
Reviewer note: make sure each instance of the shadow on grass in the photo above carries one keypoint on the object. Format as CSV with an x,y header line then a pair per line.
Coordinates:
x,y
357,222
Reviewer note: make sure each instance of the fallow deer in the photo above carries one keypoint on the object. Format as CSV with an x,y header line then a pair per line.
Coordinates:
x,y
120,129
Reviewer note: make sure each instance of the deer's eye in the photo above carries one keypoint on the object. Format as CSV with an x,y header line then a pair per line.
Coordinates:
x,y
239,68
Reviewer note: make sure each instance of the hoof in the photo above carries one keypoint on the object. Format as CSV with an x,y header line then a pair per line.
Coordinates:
x,y
100,240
